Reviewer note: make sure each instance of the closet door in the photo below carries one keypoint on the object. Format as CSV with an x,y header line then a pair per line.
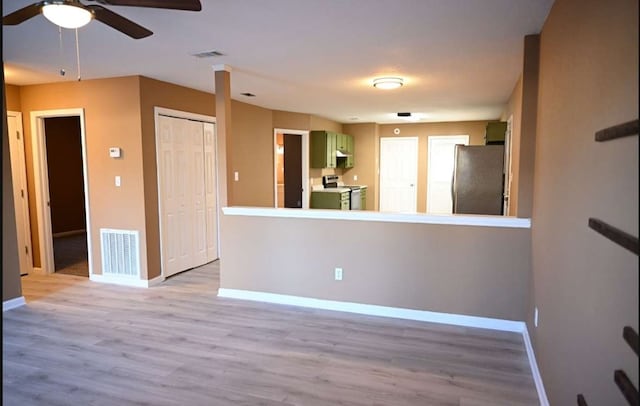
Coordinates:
x,y
196,188
210,179
187,193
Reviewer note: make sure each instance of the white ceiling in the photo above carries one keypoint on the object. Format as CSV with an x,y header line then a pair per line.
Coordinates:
x,y
460,58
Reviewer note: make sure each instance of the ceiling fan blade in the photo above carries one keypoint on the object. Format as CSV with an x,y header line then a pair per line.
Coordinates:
x,y
118,22
189,5
23,14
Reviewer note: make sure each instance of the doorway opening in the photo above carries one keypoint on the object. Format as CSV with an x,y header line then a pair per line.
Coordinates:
x,y
66,195
398,174
440,165
60,172
291,168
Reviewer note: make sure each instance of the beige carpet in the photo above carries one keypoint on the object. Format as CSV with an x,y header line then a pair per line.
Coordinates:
x,y
70,255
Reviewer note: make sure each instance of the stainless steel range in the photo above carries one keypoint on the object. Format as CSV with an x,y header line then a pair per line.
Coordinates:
x,y
333,181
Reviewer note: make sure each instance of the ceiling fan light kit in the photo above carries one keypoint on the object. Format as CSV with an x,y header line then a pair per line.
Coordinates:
x,y
388,83
67,15
74,14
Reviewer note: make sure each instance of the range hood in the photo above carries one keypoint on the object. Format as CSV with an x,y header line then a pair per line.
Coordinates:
x,y
340,154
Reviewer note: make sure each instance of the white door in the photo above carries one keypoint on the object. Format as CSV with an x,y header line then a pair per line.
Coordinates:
x,y
398,174
20,197
440,164
187,193
211,187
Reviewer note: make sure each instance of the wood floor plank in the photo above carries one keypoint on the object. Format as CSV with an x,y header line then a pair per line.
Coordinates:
x,y
81,342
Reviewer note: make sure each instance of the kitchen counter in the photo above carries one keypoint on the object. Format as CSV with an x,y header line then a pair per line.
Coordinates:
x,y
372,216
333,190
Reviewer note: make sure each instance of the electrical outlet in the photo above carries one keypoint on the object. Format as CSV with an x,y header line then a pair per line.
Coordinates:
x,y
338,274
355,178
535,317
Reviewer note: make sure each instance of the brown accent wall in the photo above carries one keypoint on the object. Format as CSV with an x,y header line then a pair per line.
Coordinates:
x,y
291,121
11,287
12,95
475,130
155,93
66,181
585,287
252,157
112,119
514,109
366,146
415,266
527,147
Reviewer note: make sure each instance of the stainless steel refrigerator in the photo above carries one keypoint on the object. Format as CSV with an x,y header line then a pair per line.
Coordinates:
x,y
477,185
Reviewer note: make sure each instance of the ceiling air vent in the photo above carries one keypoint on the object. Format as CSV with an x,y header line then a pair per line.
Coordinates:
x,y
208,54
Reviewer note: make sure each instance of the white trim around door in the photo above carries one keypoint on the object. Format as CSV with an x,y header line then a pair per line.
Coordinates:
x,y
306,188
20,190
440,166
41,177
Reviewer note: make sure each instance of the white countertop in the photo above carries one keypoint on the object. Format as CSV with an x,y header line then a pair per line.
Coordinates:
x,y
366,215
333,190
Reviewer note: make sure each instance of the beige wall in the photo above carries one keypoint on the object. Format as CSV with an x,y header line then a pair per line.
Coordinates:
x,y
475,130
154,93
11,287
585,287
415,266
514,110
291,121
252,149
112,118
366,145
12,95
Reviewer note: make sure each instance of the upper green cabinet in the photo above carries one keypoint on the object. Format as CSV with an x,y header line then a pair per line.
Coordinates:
x,y
495,133
331,150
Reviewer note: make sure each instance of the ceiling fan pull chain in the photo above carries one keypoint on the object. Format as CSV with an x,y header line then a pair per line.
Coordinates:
x,y
78,55
62,71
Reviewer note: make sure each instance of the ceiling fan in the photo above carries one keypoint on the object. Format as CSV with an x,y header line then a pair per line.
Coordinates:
x,y
74,14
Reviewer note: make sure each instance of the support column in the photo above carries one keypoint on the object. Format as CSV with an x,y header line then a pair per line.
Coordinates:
x,y
222,75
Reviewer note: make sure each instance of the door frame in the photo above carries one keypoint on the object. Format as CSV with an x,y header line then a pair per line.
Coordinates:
x,y
306,188
431,138
41,177
158,111
416,139
508,174
26,264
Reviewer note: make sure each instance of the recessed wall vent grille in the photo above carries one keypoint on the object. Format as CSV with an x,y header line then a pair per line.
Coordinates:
x,y
208,54
120,252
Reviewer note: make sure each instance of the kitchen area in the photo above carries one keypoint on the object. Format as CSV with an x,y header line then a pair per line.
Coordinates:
x,y
330,151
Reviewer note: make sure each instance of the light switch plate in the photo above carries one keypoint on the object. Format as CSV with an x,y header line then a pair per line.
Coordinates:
x,y
118,181
115,152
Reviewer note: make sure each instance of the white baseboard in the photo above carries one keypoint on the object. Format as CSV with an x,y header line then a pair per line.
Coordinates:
x,y
375,310
401,313
123,281
69,233
38,270
13,303
537,378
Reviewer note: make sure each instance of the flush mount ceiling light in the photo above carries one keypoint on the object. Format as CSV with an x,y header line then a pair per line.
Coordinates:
x,y
67,14
388,83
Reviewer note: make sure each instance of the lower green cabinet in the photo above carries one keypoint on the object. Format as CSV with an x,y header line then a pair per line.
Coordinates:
x,y
363,198
330,200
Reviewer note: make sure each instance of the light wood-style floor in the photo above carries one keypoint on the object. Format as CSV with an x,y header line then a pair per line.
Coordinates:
x,y
78,342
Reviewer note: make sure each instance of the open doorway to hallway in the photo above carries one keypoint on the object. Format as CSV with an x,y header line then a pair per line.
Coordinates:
x,y
291,168
63,145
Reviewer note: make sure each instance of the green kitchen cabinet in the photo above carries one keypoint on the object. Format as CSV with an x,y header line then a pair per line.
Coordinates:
x,y
330,200
495,133
348,161
363,198
323,149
